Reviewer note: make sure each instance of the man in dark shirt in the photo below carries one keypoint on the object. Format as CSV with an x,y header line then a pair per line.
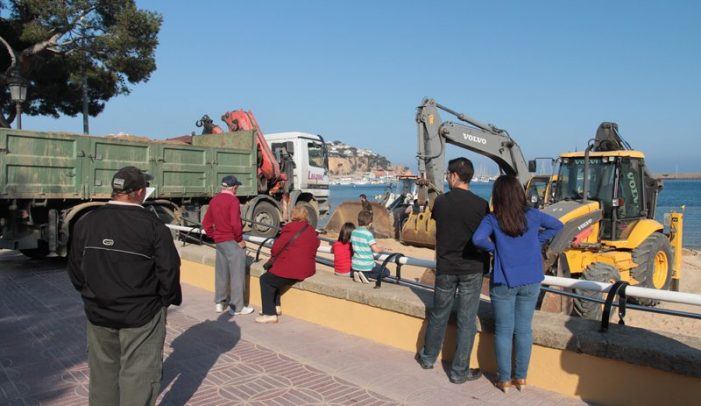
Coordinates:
x,y
459,269
364,203
124,264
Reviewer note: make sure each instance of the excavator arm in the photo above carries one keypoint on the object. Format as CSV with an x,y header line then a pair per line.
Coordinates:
x,y
483,139
432,137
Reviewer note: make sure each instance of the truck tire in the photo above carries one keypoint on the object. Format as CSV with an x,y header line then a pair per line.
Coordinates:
x,y
597,272
311,212
654,258
265,214
40,252
167,216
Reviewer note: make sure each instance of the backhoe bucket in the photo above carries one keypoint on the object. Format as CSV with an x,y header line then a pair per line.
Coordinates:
x,y
419,230
348,212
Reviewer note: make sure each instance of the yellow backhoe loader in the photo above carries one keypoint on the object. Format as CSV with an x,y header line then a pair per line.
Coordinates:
x,y
604,195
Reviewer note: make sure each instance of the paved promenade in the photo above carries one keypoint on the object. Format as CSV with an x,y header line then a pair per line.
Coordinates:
x,y
213,359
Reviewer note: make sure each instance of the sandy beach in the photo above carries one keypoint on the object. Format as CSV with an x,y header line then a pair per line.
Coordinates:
x,y
690,282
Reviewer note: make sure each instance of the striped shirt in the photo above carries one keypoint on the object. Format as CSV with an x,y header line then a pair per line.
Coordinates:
x,y
362,239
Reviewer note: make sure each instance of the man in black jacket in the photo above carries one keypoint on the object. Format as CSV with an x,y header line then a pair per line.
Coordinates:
x,y
124,264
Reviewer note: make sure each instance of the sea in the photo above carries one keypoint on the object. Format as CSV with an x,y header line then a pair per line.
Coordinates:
x,y
676,195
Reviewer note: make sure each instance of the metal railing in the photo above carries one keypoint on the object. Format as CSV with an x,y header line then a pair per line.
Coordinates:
x,y
612,290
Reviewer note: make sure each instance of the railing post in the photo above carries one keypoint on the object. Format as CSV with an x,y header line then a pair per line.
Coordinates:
x,y
620,289
378,282
260,247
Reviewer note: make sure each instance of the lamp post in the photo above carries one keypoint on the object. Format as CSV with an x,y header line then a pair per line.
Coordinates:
x,y
18,94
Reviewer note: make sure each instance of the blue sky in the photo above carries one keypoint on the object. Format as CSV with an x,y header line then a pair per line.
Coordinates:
x,y
547,71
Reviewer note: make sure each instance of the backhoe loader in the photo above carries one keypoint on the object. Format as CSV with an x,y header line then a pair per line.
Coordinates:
x,y
605,196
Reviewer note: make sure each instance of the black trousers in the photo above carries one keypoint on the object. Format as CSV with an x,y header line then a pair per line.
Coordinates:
x,y
271,287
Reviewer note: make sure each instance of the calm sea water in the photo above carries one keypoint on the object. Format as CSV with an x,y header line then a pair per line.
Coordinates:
x,y
676,193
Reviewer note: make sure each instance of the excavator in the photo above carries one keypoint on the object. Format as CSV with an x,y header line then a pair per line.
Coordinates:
x,y
433,135
605,196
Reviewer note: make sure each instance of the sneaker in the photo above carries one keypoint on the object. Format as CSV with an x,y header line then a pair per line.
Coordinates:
x,y
363,278
243,311
219,307
356,278
278,311
266,319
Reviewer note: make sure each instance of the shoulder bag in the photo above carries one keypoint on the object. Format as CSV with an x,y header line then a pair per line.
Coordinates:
x,y
269,263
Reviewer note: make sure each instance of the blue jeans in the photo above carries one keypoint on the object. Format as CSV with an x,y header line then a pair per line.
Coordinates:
x,y
513,312
375,272
467,288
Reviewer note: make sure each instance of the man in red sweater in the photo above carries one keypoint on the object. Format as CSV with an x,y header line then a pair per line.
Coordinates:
x,y
222,222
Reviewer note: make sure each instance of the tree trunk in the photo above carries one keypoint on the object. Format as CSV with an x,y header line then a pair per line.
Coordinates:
x,y
5,122
86,127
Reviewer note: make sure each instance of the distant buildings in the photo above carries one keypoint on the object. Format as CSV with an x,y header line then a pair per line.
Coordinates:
x,y
352,165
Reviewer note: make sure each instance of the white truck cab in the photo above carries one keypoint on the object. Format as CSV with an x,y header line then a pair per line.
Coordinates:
x,y
310,174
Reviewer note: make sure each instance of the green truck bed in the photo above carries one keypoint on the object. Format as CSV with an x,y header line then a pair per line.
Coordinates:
x,y
44,165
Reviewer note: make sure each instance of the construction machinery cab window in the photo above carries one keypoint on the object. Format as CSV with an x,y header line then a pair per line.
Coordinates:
x,y
630,190
601,180
614,182
536,190
316,154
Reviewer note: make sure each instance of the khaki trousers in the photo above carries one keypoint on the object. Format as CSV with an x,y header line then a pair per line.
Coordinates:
x,y
126,364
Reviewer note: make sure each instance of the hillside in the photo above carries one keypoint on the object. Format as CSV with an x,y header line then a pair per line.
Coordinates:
x,y
345,159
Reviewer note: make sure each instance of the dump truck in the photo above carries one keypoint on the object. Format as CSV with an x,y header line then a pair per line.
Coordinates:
x,y
605,196
49,180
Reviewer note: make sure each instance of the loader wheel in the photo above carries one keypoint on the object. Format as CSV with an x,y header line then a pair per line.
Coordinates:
x,y
597,272
267,220
311,212
654,259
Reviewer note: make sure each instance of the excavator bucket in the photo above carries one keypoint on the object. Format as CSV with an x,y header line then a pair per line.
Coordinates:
x,y
348,212
419,230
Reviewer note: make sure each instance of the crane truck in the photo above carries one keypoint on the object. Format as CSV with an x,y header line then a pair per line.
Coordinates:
x,y
605,196
49,180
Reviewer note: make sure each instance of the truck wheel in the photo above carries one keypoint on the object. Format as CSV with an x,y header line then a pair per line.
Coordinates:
x,y
264,215
654,259
167,216
40,252
311,212
597,272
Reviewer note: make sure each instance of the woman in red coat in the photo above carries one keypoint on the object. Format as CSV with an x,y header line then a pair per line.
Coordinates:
x,y
294,261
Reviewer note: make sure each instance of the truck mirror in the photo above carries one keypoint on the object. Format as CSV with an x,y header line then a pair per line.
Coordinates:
x,y
290,147
531,165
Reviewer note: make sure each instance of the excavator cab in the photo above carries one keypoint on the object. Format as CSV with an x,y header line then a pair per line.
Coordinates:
x,y
615,180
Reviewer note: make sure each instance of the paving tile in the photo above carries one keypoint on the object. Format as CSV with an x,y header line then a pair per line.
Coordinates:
x,y
214,359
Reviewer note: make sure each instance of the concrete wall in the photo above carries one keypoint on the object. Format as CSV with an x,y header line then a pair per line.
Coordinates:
x,y
626,365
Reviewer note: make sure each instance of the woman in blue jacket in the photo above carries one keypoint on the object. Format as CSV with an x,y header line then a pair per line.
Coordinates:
x,y
514,233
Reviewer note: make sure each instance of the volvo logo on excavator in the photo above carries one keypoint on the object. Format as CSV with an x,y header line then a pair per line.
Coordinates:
x,y
585,225
472,138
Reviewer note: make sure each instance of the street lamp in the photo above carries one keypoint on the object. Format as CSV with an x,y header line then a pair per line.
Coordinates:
x,y
18,94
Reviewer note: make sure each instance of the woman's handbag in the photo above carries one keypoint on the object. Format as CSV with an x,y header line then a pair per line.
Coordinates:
x,y
269,263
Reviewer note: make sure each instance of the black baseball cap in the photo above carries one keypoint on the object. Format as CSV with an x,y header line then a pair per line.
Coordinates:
x,y
229,181
129,179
